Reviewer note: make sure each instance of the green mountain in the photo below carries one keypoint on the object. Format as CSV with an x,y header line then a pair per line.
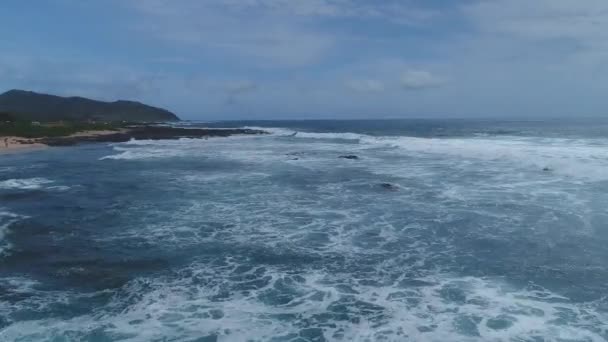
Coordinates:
x,y
28,105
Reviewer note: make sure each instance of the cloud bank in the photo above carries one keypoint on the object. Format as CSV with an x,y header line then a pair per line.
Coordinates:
x,y
221,59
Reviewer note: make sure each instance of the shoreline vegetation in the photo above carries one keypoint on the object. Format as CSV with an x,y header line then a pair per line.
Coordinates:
x,y
24,135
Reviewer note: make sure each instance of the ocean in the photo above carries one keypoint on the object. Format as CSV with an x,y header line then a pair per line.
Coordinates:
x,y
433,230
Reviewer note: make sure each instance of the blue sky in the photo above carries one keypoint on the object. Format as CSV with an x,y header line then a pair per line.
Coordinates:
x,y
298,59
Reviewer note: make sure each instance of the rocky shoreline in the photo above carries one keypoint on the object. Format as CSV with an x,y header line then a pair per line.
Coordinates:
x,y
135,132
145,132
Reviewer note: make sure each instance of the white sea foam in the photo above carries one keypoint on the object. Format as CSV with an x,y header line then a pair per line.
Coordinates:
x,y
7,169
276,131
237,305
578,158
159,149
18,284
25,184
6,219
261,209
217,177
30,184
152,149
144,154
284,132
21,295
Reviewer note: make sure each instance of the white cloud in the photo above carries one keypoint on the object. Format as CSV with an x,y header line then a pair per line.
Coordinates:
x,y
237,87
581,26
71,77
259,38
544,19
271,33
301,57
366,86
420,79
394,11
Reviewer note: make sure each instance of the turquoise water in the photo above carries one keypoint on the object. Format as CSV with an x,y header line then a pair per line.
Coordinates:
x,y
489,231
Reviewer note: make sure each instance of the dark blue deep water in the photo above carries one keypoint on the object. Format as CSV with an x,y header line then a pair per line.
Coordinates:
x,y
455,230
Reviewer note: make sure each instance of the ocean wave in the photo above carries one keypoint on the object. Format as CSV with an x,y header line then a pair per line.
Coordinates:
x,y
25,184
246,302
276,131
6,220
151,149
184,147
578,158
30,184
586,159
262,247
7,169
157,149
144,154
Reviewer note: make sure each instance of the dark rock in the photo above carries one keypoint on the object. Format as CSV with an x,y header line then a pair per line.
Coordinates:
x,y
389,186
467,325
209,338
501,322
425,329
312,334
453,294
407,283
349,156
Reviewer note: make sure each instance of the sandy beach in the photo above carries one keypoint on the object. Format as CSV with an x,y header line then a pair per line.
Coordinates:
x,y
96,133
18,144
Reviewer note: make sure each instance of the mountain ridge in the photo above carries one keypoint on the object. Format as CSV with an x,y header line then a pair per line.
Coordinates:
x,y
30,105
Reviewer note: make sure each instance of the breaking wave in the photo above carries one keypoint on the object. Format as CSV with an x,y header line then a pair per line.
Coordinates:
x,y
240,302
578,158
6,220
30,184
489,237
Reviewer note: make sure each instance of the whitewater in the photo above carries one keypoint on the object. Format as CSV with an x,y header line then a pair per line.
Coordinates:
x,y
437,231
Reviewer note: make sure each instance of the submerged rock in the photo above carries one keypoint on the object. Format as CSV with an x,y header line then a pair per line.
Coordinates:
x,y
501,322
349,156
389,186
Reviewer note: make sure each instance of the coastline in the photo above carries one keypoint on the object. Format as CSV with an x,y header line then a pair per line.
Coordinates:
x,y
14,144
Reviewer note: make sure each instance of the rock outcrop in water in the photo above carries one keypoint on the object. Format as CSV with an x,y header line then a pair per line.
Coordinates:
x,y
389,186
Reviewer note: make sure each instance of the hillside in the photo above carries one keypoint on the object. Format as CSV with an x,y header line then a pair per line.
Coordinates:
x,y
27,105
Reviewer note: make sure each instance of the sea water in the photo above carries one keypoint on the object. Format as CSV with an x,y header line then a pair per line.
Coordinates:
x,y
454,230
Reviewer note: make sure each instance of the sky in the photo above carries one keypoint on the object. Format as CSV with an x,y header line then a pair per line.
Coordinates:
x,y
308,59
